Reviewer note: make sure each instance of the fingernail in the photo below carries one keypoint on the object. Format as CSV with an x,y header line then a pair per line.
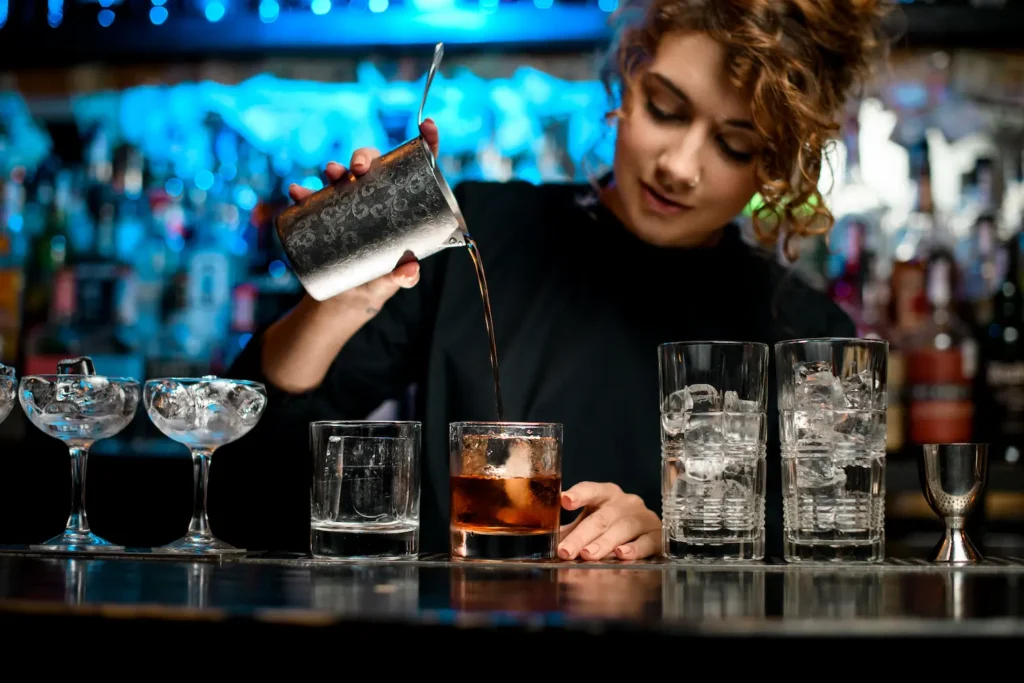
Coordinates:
x,y
564,553
624,550
568,499
333,166
359,160
590,550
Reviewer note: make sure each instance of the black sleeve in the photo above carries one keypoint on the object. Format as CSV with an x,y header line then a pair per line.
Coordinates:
x,y
801,311
378,363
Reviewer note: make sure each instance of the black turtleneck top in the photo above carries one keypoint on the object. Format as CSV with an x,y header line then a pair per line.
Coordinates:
x,y
580,306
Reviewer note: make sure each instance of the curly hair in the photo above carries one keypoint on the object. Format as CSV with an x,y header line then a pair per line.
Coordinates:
x,y
797,59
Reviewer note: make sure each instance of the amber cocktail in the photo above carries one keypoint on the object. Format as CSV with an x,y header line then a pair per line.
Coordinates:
x,y
506,480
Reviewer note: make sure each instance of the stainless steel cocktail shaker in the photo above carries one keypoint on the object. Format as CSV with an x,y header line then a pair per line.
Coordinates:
x,y
362,227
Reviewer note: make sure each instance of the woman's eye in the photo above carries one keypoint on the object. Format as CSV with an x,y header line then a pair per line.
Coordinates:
x,y
657,112
663,113
733,153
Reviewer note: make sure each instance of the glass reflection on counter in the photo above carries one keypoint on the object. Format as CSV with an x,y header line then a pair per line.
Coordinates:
x,y
692,594
392,589
479,589
591,592
198,584
841,595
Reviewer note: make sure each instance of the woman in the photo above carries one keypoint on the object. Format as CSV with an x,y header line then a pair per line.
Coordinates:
x,y
721,99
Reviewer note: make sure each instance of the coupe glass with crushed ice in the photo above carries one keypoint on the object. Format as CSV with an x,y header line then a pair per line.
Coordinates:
x,y
713,436
8,391
203,413
832,403
78,407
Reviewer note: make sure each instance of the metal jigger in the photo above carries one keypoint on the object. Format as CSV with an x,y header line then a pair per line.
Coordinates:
x,y
953,477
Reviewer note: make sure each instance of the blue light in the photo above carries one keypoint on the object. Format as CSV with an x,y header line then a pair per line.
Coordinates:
x,y
159,2
608,5
312,183
276,268
269,9
3,12
454,19
433,5
542,4
174,187
320,7
105,17
16,222
158,15
488,5
215,11
378,5
505,112
54,12
246,197
244,339
106,3
204,180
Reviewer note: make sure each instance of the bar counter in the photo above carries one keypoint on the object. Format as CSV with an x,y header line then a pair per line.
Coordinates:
x,y
279,595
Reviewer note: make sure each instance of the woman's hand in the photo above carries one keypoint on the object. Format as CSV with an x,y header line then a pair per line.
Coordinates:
x,y
371,296
611,521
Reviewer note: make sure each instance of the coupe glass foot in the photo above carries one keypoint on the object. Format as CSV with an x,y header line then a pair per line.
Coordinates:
x,y
192,545
78,541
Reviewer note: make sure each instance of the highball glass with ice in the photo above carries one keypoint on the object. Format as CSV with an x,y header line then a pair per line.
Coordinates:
x,y
713,437
506,485
832,403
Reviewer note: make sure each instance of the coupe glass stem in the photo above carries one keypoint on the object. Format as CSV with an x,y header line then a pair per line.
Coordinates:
x,y
78,522
199,527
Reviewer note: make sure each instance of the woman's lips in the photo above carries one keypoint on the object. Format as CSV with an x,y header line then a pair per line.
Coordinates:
x,y
660,203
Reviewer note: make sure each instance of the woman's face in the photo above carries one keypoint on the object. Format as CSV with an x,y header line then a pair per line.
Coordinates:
x,y
686,146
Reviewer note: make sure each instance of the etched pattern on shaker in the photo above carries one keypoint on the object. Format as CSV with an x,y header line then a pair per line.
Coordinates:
x,y
362,227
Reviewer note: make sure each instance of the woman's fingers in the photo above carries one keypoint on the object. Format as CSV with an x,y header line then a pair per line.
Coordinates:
x,y
645,546
623,530
298,192
428,129
361,159
335,171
